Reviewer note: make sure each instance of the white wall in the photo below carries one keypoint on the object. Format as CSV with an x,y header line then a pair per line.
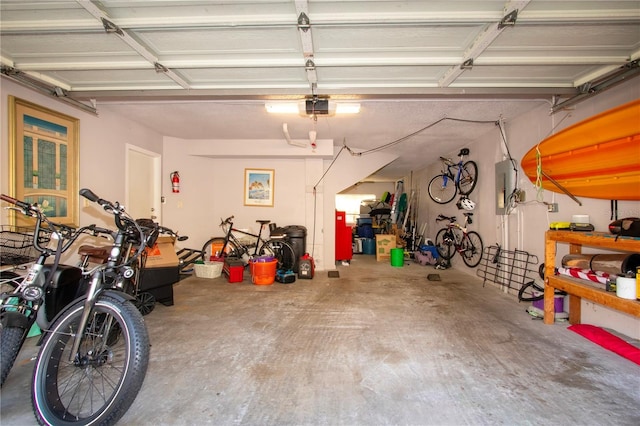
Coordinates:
x,y
212,179
524,228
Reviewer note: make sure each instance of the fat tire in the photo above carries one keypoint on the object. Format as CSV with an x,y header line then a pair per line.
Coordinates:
x,y
123,355
446,250
282,251
230,250
440,192
11,339
472,249
468,178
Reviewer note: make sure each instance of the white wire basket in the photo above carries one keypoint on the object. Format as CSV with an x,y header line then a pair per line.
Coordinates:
x,y
208,269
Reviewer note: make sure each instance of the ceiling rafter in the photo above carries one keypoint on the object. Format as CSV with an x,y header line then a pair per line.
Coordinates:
x,y
283,48
483,41
306,40
144,51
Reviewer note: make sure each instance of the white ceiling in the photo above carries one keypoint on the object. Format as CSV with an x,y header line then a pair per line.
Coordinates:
x,y
203,69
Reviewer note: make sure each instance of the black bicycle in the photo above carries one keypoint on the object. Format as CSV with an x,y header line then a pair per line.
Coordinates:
x,y
251,246
460,177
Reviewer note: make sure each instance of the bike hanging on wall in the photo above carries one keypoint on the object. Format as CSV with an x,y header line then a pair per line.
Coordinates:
x,y
456,177
456,238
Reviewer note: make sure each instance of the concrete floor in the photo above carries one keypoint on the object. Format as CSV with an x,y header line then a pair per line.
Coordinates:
x,y
377,346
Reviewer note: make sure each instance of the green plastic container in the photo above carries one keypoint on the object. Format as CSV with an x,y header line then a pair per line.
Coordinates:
x,y
397,257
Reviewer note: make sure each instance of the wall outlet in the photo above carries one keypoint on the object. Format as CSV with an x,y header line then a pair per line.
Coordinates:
x,y
552,207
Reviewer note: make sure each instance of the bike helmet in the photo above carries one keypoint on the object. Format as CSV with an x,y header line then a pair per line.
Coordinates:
x,y
466,204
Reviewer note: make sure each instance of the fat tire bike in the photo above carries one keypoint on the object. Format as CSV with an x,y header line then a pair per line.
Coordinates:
x,y
232,246
460,177
455,238
94,352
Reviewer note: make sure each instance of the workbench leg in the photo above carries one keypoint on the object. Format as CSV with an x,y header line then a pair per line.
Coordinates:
x,y
549,292
575,306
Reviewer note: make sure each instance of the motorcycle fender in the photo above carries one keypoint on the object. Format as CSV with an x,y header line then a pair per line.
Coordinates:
x,y
119,295
15,319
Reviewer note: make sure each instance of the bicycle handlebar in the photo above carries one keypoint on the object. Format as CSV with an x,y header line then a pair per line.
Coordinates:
x,y
96,231
443,217
226,221
21,204
170,232
64,233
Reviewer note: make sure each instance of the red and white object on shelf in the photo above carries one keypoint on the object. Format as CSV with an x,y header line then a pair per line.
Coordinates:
x,y
585,274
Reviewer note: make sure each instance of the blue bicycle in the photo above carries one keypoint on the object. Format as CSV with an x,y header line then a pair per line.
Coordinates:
x,y
460,177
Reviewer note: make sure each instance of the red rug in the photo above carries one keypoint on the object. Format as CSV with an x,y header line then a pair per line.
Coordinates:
x,y
607,341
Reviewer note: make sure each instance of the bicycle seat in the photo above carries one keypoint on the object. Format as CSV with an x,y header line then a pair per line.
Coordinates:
x,y
96,254
263,222
463,151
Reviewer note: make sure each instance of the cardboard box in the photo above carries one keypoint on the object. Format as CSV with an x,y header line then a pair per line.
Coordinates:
x,y
162,254
384,244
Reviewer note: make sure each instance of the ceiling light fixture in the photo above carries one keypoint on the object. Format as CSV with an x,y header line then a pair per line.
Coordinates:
x,y
307,107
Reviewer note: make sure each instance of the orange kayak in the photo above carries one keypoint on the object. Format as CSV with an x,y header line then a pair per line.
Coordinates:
x,y
595,158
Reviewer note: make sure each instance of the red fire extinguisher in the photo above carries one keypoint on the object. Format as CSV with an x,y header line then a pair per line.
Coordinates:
x,y
175,182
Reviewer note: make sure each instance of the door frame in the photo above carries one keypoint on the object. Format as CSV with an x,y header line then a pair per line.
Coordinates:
x,y
156,164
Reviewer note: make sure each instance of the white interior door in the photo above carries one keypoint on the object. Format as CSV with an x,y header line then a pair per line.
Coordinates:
x,y
143,193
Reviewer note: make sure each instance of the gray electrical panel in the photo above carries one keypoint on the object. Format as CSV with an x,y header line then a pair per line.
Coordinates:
x,y
505,176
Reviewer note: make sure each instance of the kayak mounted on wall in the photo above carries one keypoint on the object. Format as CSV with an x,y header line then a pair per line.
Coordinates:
x,y
596,158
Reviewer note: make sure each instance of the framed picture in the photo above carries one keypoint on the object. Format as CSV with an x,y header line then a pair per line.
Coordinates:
x,y
44,161
258,187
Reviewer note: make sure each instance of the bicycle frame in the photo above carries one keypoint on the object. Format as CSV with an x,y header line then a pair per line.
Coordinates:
x,y
229,236
455,177
231,245
458,232
455,237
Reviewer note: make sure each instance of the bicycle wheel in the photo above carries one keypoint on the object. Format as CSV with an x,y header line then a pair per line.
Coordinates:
x,y
282,251
213,247
527,295
98,384
145,302
472,249
11,339
442,189
445,244
468,178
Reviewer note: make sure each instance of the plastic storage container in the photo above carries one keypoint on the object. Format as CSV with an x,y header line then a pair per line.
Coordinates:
x,y
263,273
368,246
397,257
297,237
234,270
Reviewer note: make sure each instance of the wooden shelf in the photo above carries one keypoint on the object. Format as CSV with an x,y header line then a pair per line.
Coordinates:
x,y
577,289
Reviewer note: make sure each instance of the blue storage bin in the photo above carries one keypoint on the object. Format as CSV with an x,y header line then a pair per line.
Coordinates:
x,y
368,246
365,231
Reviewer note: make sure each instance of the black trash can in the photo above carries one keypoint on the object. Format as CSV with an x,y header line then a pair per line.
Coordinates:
x,y
297,237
